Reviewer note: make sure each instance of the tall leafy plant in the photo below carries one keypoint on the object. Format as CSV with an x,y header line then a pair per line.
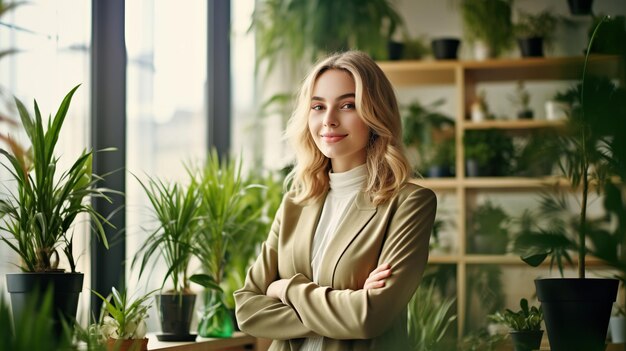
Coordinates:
x,y
429,319
227,217
488,21
176,210
37,217
593,151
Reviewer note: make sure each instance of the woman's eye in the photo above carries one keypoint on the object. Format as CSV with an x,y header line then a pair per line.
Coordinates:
x,y
317,107
348,106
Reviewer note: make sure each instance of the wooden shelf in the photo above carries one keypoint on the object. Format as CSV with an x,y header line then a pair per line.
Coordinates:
x,y
465,77
513,124
424,72
408,73
437,183
239,341
514,182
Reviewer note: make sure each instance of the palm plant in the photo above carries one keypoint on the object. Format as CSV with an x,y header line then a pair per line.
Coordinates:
x,y
176,210
260,206
428,319
224,208
38,216
227,218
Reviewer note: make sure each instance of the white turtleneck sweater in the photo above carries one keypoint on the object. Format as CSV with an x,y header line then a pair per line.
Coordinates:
x,y
343,189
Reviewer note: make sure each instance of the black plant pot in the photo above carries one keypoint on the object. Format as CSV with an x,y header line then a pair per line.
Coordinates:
x,y
65,289
445,48
580,7
396,50
525,114
576,312
175,313
531,47
527,340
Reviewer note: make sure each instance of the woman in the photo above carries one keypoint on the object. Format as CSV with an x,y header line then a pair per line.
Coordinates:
x,y
349,243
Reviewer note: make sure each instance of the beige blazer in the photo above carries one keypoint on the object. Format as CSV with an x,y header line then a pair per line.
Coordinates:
x,y
338,308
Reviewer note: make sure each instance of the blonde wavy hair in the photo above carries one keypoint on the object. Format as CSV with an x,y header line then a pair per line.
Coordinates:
x,y
387,167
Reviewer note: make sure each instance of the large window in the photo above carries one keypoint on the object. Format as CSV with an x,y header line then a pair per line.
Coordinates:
x,y
53,41
166,42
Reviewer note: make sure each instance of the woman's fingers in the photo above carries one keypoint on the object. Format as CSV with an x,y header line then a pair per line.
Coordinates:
x,y
377,277
380,268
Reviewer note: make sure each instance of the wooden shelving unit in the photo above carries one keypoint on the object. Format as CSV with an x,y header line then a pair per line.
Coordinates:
x,y
464,76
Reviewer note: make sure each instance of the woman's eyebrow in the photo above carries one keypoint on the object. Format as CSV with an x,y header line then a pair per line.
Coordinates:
x,y
341,97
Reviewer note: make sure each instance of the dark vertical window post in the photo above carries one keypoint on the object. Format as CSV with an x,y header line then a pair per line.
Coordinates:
x,y
108,129
218,76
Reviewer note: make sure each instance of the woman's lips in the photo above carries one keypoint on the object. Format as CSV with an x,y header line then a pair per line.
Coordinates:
x,y
333,138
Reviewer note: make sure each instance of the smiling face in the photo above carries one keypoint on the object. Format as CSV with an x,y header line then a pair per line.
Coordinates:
x,y
335,125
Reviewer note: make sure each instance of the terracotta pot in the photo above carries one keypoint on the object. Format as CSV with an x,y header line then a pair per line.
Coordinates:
x,y
127,345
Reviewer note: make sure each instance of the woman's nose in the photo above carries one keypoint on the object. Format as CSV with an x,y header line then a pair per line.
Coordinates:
x,y
330,118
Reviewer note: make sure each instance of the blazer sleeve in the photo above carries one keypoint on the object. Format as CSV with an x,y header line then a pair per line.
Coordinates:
x,y
366,314
261,315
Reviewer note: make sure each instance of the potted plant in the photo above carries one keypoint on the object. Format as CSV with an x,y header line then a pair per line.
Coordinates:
x,y
431,135
36,219
33,331
176,210
521,100
303,30
445,48
488,152
227,218
488,26
429,318
414,48
525,325
577,310
122,322
533,31
489,230
260,205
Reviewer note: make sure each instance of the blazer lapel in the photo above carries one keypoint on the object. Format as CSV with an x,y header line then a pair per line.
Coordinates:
x,y
303,237
356,217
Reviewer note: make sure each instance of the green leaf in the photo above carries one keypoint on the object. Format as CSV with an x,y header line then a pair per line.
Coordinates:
x,y
205,281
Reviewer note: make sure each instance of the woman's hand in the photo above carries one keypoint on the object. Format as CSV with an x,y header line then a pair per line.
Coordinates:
x,y
377,278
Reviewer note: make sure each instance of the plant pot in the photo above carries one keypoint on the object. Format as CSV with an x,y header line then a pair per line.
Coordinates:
x,y
395,49
618,329
175,313
580,7
216,320
525,114
526,340
576,312
65,288
531,47
127,344
445,48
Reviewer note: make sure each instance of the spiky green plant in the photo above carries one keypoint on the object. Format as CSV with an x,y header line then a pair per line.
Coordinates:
x,y
176,210
429,318
123,317
38,215
228,216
